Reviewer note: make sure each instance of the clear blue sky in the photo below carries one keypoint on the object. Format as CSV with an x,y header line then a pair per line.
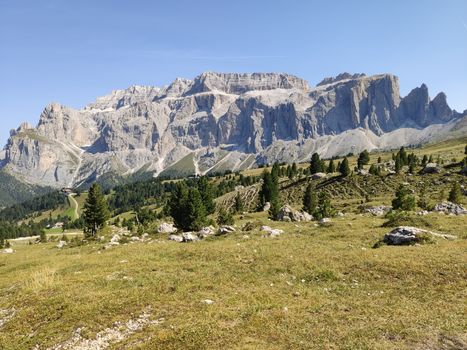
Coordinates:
x,y
73,51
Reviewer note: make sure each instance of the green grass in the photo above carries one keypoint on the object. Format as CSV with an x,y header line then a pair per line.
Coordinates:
x,y
351,297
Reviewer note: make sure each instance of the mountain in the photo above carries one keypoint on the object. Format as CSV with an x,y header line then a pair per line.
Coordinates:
x,y
220,121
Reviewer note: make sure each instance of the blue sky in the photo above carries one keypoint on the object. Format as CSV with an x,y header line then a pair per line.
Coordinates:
x,y
73,51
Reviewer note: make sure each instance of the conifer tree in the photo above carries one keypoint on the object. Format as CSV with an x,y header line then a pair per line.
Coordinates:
x,y
324,209
373,169
196,212
404,199
455,194
238,203
331,167
424,160
344,168
316,166
363,159
310,200
206,192
96,211
398,165
379,160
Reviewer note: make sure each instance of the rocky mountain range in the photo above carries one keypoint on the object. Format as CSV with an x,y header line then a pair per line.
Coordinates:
x,y
219,122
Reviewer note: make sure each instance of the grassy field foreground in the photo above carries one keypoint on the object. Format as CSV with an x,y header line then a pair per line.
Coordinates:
x,y
312,287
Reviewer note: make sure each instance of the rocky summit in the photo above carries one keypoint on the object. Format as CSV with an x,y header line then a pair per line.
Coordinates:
x,y
219,122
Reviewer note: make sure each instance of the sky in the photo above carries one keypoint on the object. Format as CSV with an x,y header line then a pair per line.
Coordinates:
x,y
74,51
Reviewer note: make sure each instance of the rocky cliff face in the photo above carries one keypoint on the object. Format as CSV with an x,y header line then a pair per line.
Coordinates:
x,y
222,121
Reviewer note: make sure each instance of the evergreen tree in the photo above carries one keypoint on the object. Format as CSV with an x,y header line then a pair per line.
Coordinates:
x,y
316,166
424,160
373,169
177,205
363,159
379,160
206,192
430,160
411,168
331,167
196,212
324,209
224,218
310,200
266,188
294,170
403,156
275,208
43,237
455,194
238,203
398,165
96,211
344,168
404,199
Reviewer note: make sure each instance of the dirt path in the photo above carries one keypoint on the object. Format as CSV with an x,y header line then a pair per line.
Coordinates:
x,y
74,205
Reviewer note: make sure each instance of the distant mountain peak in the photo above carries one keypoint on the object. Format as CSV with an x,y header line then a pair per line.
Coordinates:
x,y
340,77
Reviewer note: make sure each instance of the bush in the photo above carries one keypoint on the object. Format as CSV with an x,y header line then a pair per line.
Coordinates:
x,y
403,218
225,218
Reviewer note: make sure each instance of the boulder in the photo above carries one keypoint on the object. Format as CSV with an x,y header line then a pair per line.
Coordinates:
x,y
270,232
431,168
189,237
404,235
225,229
61,244
267,206
324,221
176,238
8,250
378,210
363,172
450,208
206,232
287,213
166,228
318,176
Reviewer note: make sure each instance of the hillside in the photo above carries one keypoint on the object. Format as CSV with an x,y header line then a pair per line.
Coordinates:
x,y
316,285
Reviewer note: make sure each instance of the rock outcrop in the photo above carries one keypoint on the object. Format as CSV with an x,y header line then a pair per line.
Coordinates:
x,y
404,235
222,121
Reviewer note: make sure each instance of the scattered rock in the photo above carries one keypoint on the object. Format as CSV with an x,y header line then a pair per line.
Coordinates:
x,y
422,212
287,213
206,232
166,228
61,244
135,239
208,301
176,238
267,206
226,229
378,210
403,235
318,176
189,237
431,168
8,250
6,315
340,214
115,239
363,172
450,208
270,232
324,221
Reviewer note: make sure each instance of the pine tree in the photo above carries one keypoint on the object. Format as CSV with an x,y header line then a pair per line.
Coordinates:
x,y
177,205
294,170
324,209
455,194
331,167
316,166
379,160
238,203
363,159
206,192
373,169
224,218
398,165
344,168
310,200
274,194
424,160
196,212
96,211
404,199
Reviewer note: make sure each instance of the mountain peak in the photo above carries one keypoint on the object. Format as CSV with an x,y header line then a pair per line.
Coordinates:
x,y
340,77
